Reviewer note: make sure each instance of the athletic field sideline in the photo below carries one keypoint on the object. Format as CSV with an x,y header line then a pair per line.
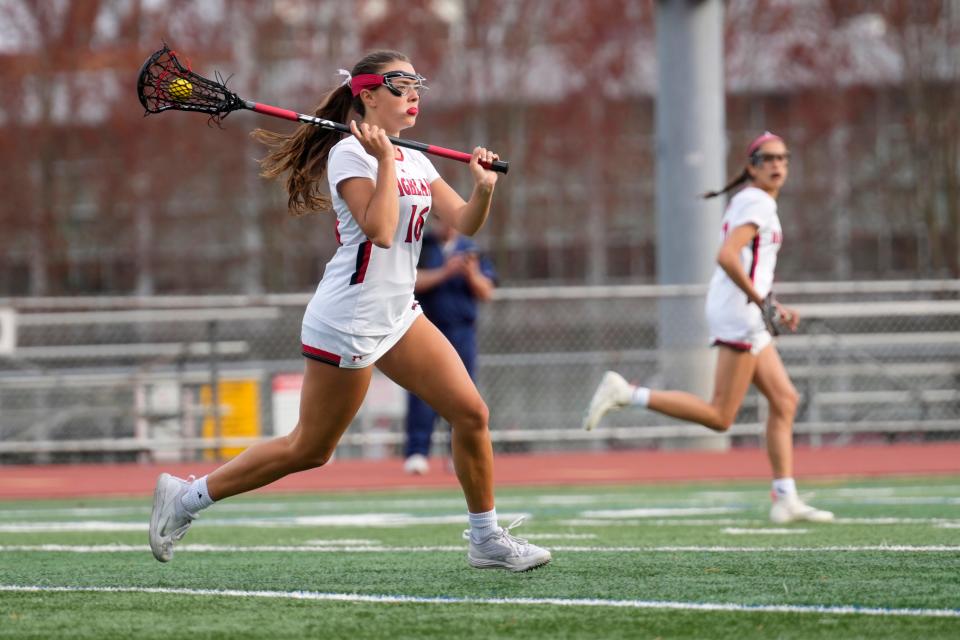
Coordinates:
x,y
697,561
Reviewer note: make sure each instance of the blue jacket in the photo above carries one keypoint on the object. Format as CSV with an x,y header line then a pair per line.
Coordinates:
x,y
450,304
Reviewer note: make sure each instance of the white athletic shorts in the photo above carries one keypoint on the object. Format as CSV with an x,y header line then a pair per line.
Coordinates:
x,y
754,342
737,325
321,342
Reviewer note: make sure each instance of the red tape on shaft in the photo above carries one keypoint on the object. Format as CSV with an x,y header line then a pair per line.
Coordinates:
x,y
448,153
275,111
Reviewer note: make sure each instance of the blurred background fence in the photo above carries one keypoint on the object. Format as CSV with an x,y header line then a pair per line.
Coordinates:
x,y
164,378
152,285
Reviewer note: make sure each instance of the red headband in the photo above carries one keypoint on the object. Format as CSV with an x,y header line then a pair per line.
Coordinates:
x,y
766,137
365,81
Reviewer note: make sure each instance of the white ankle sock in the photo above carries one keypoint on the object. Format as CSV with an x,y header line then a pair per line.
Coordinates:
x,y
483,525
196,497
641,396
783,487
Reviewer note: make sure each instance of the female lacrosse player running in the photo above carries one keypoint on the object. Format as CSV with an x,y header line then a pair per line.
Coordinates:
x,y
364,312
751,238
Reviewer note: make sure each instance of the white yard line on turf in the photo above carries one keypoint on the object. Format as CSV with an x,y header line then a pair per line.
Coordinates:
x,y
557,602
656,512
253,507
343,542
404,520
330,520
735,531
873,495
692,522
720,522
216,548
910,500
75,512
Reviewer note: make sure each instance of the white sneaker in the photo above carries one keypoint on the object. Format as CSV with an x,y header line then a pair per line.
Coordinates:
x,y
613,393
502,549
169,521
416,465
792,509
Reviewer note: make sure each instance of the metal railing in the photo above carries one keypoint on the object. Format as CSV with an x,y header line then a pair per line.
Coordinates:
x,y
142,378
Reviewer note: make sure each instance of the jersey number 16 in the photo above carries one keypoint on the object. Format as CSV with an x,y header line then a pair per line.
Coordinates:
x,y
415,226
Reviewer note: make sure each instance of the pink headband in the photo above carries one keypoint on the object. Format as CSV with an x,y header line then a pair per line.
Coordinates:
x,y
766,137
365,81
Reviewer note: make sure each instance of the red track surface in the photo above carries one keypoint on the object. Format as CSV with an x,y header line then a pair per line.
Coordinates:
x,y
628,467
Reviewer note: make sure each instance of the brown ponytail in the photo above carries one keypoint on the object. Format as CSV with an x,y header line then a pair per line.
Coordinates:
x,y
304,152
736,182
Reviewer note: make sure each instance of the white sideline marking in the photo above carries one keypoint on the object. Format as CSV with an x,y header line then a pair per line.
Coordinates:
x,y
719,522
693,522
911,500
331,520
599,518
656,512
215,548
936,521
722,496
76,511
734,531
558,602
88,525
346,542
259,506
405,520
865,492
560,500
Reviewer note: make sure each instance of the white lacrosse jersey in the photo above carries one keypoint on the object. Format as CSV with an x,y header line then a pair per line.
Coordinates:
x,y
759,258
366,290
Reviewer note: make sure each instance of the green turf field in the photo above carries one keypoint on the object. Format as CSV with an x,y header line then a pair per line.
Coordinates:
x,y
690,561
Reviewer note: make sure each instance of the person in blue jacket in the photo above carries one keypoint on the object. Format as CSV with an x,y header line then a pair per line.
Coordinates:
x,y
452,277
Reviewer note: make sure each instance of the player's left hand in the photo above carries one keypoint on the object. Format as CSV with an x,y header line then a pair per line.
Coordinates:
x,y
481,176
789,317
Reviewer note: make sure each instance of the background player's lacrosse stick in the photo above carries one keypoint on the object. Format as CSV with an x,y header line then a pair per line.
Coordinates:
x,y
771,315
165,83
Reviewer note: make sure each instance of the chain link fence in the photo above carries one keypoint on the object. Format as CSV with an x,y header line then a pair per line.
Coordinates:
x,y
186,378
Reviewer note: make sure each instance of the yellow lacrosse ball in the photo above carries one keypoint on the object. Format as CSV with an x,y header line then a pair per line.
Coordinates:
x,y
180,89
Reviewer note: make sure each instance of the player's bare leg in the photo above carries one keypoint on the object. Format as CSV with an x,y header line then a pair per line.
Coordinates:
x,y
329,401
733,375
732,379
734,371
774,383
426,364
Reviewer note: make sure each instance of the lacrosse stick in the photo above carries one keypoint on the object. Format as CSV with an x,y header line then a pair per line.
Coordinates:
x,y
771,317
165,83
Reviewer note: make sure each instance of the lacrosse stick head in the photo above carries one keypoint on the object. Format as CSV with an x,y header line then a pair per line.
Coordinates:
x,y
166,83
771,316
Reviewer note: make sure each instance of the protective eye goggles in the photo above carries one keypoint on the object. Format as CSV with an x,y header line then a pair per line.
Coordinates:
x,y
400,83
758,158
